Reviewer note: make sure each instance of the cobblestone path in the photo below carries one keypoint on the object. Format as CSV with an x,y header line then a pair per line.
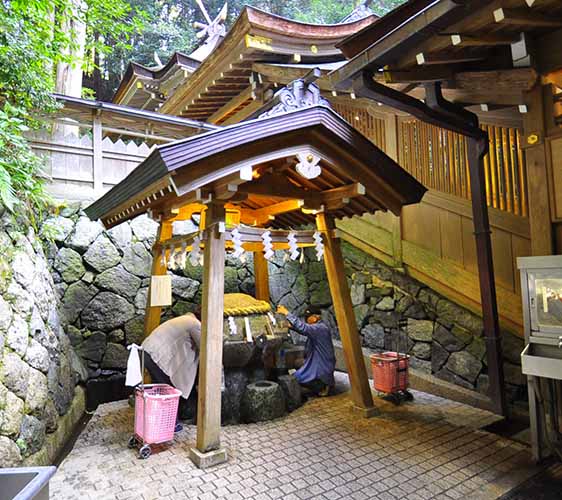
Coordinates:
x,y
430,448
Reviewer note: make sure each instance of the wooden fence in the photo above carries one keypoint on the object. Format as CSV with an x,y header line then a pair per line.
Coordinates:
x,y
81,168
438,159
434,240
369,125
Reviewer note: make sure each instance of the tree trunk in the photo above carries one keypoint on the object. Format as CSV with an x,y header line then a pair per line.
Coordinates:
x,y
69,74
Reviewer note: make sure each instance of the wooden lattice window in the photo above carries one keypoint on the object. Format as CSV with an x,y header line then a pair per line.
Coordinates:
x,y
370,126
438,159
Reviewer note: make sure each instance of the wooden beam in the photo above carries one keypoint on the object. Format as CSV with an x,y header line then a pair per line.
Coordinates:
x,y
391,149
517,79
526,18
152,314
537,173
440,58
210,363
277,186
333,198
283,75
416,75
261,216
97,149
339,289
232,105
261,274
482,40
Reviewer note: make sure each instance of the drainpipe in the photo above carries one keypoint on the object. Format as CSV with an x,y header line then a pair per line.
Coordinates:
x,y
445,114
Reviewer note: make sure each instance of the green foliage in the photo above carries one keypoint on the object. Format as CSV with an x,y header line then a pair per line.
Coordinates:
x,y
27,55
34,38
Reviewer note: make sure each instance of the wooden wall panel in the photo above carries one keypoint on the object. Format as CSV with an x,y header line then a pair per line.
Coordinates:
x,y
451,236
384,220
420,225
69,160
468,245
503,258
438,248
520,247
556,155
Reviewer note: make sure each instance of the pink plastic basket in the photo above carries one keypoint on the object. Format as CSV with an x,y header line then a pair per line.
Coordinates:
x,y
158,403
390,371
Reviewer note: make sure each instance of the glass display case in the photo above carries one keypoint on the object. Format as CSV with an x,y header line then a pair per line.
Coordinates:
x,y
545,300
541,359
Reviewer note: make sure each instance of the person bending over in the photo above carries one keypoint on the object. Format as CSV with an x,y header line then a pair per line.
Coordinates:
x,y
171,356
317,372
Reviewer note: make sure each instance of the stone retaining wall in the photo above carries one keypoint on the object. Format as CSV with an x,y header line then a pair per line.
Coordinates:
x,y
102,279
38,367
442,338
71,300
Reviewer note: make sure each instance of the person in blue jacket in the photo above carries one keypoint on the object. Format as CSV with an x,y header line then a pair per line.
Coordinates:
x,y
317,372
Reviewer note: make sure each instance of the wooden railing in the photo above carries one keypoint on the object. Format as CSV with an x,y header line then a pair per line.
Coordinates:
x,y
370,126
438,159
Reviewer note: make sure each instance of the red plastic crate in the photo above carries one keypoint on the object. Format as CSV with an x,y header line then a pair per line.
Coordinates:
x,y
158,403
390,371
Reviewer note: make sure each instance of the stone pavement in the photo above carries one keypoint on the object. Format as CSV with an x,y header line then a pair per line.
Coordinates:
x,y
430,448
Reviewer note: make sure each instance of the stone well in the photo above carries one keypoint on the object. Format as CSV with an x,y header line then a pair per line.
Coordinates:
x,y
257,354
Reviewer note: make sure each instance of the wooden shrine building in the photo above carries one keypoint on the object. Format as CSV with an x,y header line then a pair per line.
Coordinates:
x,y
285,168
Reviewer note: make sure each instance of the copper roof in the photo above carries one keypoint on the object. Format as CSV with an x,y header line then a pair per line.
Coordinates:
x,y
173,173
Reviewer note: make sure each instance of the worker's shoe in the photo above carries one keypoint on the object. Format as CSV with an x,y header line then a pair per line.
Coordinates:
x,y
325,391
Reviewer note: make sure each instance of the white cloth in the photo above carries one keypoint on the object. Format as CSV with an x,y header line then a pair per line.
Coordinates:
x,y
134,375
171,347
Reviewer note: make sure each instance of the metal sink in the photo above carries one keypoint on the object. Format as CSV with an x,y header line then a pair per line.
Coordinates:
x,y
24,483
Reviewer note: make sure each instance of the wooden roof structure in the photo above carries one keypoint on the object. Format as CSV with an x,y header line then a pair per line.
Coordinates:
x,y
125,120
453,53
227,80
146,88
297,163
251,164
481,50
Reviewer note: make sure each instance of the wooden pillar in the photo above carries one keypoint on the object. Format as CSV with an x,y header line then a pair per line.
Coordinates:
x,y
492,334
208,451
152,314
537,175
97,160
391,149
261,274
333,259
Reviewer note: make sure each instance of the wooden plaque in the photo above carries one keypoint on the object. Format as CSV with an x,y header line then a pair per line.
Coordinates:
x,y
160,291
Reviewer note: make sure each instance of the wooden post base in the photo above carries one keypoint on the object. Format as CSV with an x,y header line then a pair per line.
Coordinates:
x,y
365,412
209,459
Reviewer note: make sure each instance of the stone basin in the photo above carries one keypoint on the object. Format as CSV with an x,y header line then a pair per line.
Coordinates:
x,y
237,353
